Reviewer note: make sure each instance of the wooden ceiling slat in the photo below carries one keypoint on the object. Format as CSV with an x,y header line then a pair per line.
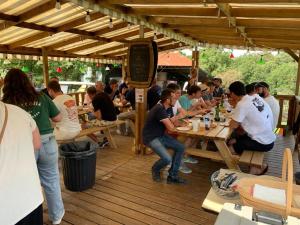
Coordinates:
x,y
187,2
190,21
180,11
256,12
108,30
83,47
78,22
127,35
37,51
29,40
15,20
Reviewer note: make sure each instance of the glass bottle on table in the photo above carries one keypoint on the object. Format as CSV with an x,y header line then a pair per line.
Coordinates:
x,y
217,114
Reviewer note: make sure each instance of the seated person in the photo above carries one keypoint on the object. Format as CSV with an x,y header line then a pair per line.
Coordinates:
x,y
255,117
190,101
129,116
264,92
218,91
99,88
250,89
112,89
103,110
99,85
208,95
153,94
45,90
69,127
158,140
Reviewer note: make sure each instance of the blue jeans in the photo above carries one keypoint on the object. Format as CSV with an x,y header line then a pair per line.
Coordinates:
x,y
47,163
159,146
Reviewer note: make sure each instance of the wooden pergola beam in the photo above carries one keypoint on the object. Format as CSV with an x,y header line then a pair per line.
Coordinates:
x,y
211,11
292,54
173,22
54,53
188,2
298,79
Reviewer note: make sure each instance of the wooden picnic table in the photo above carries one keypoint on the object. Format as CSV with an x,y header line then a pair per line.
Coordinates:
x,y
219,135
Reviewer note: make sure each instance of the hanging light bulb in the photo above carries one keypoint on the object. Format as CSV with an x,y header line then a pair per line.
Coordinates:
x,y
110,25
57,5
87,17
154,37
107,68
6,61
39,62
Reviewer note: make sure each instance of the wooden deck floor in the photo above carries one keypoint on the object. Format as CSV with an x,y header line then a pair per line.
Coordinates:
x,y
125,194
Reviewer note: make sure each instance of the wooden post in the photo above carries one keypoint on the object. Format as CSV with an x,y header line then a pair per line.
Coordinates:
x,y
141,108
195,63
298,79
123,69
45,66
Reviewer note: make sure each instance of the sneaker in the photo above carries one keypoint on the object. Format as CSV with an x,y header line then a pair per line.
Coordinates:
x,y
59,220
175,180
103,144
168,166
184,169
156,176
189,159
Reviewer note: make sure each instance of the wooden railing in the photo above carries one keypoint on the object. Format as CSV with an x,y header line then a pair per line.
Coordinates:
x,y
79,97
287,113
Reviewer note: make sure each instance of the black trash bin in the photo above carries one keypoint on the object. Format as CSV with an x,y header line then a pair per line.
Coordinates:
x,y
79,165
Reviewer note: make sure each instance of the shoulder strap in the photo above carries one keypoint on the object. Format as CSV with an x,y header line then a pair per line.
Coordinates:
x,y
4,124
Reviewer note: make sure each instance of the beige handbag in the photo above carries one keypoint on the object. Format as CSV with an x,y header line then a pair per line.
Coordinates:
x,y
292,191
4,124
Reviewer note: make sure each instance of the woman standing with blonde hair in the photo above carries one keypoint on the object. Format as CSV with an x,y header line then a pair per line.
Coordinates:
x,y
19,91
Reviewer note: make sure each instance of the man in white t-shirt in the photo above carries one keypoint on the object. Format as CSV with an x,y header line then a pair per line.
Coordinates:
x,y
20,189
69,127
264,92
255,117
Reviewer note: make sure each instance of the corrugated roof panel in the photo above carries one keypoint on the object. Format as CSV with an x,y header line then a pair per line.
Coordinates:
x,y
13,34
51,40
76,44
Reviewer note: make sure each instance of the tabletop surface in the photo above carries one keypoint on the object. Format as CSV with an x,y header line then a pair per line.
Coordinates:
x,y
220,132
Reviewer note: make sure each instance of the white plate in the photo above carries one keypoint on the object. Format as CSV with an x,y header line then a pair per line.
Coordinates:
x,y
183,128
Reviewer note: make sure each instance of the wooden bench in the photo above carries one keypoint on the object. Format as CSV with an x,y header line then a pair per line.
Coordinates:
x,y
252,158
95,129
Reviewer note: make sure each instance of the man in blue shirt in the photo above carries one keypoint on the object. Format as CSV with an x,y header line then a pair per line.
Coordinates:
x,y
155,136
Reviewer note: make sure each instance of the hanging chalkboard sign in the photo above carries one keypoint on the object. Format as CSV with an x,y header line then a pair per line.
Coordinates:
x,y
141,63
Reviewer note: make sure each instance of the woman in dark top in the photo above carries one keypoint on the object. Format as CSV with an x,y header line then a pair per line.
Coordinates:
x,y
19,91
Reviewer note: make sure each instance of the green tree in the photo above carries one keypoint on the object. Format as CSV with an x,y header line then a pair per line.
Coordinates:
x,y
214,61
